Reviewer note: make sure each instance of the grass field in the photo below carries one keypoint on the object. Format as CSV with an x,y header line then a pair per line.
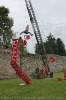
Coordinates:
x,y
40,89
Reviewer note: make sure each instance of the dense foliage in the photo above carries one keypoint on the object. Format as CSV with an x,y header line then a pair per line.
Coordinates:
x,y
53,46
6,24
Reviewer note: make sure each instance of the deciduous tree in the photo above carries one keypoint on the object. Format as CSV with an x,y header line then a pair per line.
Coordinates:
x,y
6,24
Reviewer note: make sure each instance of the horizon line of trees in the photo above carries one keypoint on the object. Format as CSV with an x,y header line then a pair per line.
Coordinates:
x,y
52,46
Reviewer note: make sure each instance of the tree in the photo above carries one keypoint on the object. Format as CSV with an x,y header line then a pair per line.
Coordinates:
x,y
6,24
60,47
50,44
22,50
37,49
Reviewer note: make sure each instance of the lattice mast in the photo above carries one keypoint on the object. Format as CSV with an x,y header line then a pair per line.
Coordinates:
x,y
36,30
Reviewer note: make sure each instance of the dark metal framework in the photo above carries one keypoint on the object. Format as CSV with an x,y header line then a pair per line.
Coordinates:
x,y
36,31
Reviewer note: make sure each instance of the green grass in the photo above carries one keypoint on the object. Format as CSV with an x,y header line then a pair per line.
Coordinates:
x,y
40,89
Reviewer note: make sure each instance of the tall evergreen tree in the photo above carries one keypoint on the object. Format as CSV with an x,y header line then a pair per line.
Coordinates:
x,y
60,47
50,44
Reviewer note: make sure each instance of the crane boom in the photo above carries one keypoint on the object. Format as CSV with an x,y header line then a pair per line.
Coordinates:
x,y
36,30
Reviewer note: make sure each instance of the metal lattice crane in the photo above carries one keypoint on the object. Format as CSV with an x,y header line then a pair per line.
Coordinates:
x,y
36,31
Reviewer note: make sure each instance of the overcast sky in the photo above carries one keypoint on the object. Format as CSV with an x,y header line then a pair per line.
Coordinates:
x,y
50,14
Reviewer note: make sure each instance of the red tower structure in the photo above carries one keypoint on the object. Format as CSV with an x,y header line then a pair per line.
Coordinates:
x,y
13,62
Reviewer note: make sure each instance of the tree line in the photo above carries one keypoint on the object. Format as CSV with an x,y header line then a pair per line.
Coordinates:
x,y
53,46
